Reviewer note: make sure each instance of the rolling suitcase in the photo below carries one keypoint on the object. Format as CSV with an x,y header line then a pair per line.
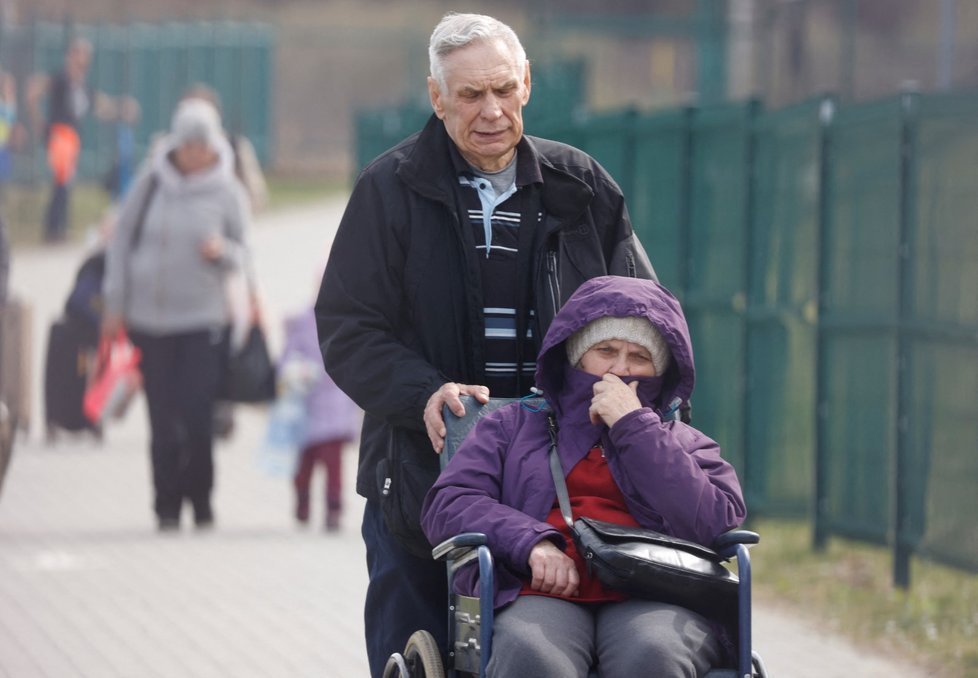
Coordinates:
x,y
65,377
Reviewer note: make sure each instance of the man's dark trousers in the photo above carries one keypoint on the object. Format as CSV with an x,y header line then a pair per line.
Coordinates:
x,y
405,593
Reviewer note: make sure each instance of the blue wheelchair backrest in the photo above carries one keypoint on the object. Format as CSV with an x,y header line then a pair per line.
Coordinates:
x,y
458,427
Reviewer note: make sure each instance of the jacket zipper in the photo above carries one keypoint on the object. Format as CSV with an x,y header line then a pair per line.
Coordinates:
x,y
553,281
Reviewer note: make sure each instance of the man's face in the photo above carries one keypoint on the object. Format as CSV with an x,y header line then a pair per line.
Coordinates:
x,y
482,105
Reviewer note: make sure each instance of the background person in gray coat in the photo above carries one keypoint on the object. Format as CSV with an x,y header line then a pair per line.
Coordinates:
x,y
180,233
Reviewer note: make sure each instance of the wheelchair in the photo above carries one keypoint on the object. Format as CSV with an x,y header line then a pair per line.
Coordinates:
x,y
470,618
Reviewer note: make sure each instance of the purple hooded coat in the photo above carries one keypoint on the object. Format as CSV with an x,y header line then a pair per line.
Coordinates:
x,y
332,415
671,475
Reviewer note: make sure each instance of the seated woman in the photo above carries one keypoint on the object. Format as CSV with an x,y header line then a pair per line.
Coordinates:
x,y
615,363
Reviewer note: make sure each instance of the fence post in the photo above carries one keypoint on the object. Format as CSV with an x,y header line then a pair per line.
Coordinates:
x,y
629,181
902,547
30,68
685,202
711,50
820,493
750,175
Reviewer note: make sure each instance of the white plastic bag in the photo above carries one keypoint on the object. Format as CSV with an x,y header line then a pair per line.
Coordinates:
x,y
284,435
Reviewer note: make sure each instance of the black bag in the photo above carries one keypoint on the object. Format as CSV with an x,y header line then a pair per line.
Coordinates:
x,y
84,304
250,375
646,563
404,480
65,377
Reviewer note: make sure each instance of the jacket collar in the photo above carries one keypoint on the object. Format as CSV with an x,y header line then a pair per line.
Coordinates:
x,y
571,404
431,165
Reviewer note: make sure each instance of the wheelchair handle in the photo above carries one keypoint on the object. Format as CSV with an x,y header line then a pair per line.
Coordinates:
x,y
455,547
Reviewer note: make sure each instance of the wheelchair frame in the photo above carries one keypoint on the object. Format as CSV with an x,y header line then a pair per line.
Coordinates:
x,y
470,618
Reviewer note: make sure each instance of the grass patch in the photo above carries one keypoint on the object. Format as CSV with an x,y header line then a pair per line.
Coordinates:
x,y
848,588
24,208
287,191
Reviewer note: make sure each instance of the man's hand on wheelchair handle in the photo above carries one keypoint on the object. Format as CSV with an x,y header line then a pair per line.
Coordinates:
x,y
448,394
553,570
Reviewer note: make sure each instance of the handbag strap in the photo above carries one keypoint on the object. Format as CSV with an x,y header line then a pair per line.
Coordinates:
x,y
563,497
137,234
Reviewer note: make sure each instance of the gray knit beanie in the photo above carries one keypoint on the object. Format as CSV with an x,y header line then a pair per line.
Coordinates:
x,y
633,328
196,120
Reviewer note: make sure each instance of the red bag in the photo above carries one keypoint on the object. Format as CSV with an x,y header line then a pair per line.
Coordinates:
x,y
115,381
64,145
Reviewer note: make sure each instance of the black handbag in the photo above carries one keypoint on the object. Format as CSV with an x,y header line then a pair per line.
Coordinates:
x,y
250,375
646,563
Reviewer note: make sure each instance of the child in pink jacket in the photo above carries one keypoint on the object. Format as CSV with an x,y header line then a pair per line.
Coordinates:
x,y
332,418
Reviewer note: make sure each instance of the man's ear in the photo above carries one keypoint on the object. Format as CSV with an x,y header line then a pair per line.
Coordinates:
x,y
526,83
434,94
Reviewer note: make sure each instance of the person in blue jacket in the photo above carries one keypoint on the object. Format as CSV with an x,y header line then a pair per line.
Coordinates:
x,y
614,366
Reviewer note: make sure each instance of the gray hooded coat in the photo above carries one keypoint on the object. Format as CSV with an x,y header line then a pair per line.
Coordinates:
x,y
159,282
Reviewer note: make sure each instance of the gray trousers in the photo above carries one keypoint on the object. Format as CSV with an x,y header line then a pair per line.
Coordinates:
x,y
540,636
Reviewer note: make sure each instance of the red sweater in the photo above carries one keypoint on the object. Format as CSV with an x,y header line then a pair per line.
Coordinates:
x,y
593,493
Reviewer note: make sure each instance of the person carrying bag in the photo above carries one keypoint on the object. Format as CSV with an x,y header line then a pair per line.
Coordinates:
x,y
559,490
180,234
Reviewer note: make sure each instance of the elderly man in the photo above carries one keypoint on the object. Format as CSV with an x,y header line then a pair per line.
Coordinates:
x,y
456,249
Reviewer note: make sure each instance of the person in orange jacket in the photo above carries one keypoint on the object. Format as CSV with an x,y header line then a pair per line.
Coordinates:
x,y
70,98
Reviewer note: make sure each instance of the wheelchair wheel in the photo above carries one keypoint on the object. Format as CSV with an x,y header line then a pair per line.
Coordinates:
x,y
396,667
760,671
422,656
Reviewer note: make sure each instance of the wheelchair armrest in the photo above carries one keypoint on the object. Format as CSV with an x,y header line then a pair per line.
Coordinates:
x,y
726,543
458,546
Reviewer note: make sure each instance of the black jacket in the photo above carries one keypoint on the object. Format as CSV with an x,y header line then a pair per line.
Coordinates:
x,y
399,311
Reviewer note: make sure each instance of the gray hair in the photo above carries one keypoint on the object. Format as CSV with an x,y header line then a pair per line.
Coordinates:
x,y
455,31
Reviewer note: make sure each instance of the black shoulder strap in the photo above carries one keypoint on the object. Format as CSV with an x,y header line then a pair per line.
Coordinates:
x,y
143,207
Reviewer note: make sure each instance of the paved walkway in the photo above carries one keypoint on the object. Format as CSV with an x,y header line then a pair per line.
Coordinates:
x,y
88,588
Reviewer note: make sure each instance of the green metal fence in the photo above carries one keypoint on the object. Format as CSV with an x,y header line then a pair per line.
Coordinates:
x,y
938,379
827,259
781,307
153,63
857,440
